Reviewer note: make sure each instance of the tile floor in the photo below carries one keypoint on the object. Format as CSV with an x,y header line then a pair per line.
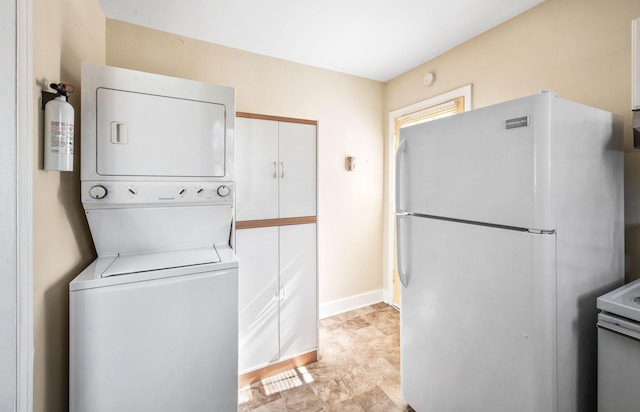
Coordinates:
x,y
358,369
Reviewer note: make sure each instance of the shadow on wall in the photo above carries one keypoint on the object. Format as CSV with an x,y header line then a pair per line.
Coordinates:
x,y
631,212
56,342
55,349
632,252
69,189
587,365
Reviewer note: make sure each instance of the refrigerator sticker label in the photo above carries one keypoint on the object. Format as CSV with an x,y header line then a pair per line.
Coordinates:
x,y
517,122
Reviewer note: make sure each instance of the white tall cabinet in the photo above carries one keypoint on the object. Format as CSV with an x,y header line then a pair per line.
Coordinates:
x,y
275,169
276,242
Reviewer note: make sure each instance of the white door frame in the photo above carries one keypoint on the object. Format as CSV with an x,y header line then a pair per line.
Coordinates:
x,y
390,177
25,107
17,172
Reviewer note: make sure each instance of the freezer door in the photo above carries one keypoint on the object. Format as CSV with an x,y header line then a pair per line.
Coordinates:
x,y
477,166
477,318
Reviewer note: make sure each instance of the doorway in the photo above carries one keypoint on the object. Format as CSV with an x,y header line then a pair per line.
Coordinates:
x,y
447,104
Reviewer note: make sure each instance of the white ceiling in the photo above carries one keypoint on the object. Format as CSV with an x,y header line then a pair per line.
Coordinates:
x,y
375,39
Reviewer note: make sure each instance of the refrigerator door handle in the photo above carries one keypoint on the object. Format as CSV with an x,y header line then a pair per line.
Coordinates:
x,y
402,274
399,156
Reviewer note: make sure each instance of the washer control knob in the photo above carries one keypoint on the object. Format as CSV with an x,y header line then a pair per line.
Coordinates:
x,y
98,192
223,191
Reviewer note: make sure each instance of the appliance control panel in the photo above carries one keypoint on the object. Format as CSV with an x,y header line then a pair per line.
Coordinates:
x,y
99,194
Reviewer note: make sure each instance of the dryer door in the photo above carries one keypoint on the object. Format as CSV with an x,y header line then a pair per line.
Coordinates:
x,y
150,135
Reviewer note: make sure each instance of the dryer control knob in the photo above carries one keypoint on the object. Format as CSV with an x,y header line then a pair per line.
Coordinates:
x,y
98,192
223,191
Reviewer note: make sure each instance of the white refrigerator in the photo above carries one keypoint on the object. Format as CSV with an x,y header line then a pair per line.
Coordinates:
x,y
509,225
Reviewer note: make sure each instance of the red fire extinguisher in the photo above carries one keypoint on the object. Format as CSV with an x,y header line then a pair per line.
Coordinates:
x,y
58,129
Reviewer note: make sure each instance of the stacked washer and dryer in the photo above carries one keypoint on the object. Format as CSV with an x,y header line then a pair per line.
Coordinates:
x,y
154,319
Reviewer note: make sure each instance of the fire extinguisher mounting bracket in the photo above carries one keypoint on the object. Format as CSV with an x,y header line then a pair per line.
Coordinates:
x,y
62,89
47,96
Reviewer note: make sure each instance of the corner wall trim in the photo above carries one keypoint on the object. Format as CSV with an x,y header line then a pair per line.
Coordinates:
x,y
24,177
338,306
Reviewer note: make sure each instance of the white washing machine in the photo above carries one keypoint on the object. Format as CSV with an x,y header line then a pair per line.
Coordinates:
x,y
155,339
154,319
619,349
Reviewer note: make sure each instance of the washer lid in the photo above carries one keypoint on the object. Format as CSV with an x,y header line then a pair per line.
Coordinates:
x,y
624,301
126,264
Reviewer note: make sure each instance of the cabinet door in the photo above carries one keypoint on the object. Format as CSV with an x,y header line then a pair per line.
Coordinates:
x,y
256,169
297,169
298,305
257,251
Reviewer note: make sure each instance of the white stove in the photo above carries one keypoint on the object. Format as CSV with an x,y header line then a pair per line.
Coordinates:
x,y
619,349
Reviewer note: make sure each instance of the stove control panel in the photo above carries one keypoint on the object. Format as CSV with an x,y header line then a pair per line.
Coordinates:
x,y
111,194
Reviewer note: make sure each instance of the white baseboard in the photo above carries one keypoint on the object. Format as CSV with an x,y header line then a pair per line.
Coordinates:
x,y
338,306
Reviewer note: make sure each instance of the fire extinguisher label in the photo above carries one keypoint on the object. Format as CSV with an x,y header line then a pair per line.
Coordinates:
x,y
62,137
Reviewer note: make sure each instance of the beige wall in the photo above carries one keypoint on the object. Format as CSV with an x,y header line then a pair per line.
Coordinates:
x,y
578,48
349,114
65,32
